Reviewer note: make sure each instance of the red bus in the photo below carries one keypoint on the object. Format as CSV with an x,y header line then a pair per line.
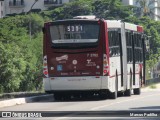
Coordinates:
x,y
83,57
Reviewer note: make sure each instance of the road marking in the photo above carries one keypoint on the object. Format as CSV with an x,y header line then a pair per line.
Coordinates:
x,y
99,107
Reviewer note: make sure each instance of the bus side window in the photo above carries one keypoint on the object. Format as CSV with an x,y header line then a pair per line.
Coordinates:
x,y
129,47
114,42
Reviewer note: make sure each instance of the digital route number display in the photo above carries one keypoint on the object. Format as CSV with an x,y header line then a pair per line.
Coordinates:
x,y
74,28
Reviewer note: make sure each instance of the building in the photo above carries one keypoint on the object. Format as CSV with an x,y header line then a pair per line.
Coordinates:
x,y
152,5
127,2
1,9
20,6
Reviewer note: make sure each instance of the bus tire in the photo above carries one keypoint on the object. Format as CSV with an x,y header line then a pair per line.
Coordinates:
x,y
137,91
66,97
127,92
113,95
103,94
58,96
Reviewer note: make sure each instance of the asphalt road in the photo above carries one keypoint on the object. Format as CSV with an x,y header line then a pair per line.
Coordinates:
x,y
144,106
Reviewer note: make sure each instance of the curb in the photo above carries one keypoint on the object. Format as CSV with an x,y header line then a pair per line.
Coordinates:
x,y
18,101
149,89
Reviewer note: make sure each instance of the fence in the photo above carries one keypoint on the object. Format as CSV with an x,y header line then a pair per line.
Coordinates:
x,y
152,81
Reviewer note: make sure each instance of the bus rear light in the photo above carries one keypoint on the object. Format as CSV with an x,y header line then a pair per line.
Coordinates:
x,y
105,71
45,67
105,65
105,62
45,72
45,64
97,77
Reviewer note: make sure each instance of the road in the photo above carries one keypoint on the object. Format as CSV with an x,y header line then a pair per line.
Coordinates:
x,y
148,101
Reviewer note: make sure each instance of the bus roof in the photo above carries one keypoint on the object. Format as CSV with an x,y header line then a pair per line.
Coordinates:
x,y
113,23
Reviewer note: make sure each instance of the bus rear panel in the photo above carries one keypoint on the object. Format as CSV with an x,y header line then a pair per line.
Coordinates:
x,y
73,57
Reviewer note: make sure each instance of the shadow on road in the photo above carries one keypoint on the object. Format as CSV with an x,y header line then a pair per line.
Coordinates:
x,y
148,107
94,97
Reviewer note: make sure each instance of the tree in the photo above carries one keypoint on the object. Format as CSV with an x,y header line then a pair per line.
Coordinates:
x,y
111,9
146,8
20,58
68,11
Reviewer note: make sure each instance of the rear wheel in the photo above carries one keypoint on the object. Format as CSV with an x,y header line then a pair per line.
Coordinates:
x,y
137,91
58,96
103,94
127,92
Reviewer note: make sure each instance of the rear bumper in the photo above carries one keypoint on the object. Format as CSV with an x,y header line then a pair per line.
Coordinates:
x,y
88,83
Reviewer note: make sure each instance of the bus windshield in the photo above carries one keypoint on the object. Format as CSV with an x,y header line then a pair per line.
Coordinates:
x,y
74,35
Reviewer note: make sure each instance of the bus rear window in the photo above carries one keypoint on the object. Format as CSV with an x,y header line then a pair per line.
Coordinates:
x,y
77,34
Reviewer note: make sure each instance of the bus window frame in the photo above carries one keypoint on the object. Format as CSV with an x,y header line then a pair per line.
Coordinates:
x,y
114,46
75,45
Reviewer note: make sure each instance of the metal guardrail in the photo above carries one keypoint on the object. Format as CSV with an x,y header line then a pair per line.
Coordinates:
x,y
152,81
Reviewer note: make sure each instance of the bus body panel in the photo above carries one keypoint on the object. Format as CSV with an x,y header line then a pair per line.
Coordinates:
x,y
65,64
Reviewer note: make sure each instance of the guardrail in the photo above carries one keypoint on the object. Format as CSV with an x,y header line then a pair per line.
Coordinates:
x,y
152,81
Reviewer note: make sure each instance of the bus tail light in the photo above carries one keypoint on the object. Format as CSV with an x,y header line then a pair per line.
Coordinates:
x,y
105,65
45,67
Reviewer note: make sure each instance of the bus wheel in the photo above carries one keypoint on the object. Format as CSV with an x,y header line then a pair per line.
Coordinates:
x,y
57,96
103,94
137,91
127,92
113,95
66,97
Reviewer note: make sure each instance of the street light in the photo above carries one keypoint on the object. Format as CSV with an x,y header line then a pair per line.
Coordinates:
x,y
30,27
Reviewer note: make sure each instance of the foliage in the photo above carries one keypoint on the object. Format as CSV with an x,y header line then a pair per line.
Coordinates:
x,y
111,9
145,8
21,58
75,8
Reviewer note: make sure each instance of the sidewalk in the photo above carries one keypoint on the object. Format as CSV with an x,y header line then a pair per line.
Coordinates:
x,y
154,87
23,100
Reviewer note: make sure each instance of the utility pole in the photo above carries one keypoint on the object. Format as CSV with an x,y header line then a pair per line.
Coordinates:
x,y
30,22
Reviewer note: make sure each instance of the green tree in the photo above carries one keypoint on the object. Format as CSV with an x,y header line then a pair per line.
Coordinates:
x,y
69,10
111,9
146,8
20,57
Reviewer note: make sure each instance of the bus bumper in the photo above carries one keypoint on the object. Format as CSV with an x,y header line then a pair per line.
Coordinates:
x,y
75,83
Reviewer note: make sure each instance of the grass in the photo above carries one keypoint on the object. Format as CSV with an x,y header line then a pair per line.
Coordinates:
x,y
153,86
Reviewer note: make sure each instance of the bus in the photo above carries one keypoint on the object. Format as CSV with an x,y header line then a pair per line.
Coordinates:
x,y
87,56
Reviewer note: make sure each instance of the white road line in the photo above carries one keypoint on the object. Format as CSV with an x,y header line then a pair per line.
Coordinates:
x,y
99,107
